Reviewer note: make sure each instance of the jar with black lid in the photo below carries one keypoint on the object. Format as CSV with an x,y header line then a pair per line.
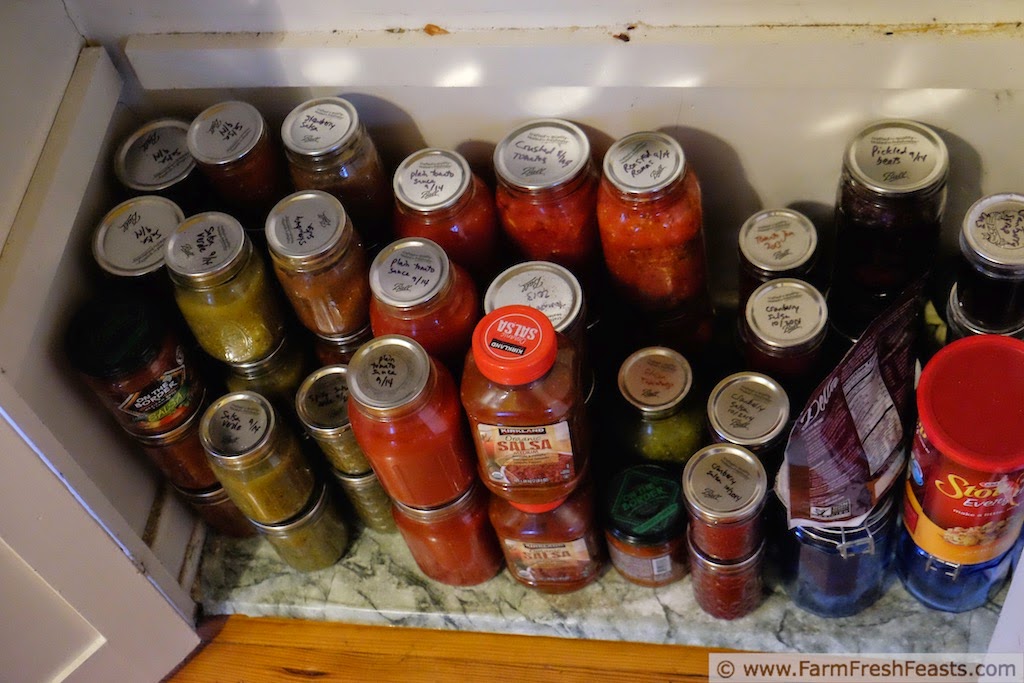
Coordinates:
x,y
775,243
314,539
990,280
155,160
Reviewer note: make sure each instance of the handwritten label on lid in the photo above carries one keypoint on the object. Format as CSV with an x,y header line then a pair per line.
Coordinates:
x,y
786,315
238,427
327,401
541,290
750,410
134,235
305,226
226,132
158,157
644,162
204,246
432,180
897,157
777,240
723,483
656,380
543,155
410,274
388,376
320,127
996,231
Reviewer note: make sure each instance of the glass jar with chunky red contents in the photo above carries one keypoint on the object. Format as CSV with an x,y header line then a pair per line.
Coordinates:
x,y
726,590
438,196
547,191
419,293
179,455
405,413
522,393
553,547
784,326
454,543
775,243
550,288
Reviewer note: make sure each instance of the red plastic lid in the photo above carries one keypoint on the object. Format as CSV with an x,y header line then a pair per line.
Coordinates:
x,y
537,508
970,401
514,345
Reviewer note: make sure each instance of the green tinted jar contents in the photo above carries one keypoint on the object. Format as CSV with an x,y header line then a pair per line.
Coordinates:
x,y
276,377
322,405
315,539
370,501
154,160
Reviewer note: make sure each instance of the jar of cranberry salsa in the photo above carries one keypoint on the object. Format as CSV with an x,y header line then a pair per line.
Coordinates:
x,y
784,326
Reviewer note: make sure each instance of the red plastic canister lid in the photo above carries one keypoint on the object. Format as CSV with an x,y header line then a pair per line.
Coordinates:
x,y
970,401
514,345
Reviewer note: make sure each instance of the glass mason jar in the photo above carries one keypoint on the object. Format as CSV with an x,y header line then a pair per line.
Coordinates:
x,y
315,539
522,393
322,405
751,410
320,263
646,526
547,194
339,350
129,241
726,590
179,455
419,293
452,544
990,280
438,196
277,377
256,458
405,414
328,149
552,547
783,329
221,287
154,160
775,243
725,488
216,509
370,501
959,326
550,288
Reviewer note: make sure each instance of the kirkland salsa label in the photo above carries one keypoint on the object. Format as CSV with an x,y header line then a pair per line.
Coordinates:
x,y
549,562
527,455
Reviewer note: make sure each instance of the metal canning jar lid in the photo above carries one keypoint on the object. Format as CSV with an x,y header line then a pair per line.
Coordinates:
x,y
897,157
542,154
388,372
655,380
786,313
318,502
709,564
322,401
724,483
547,287
748,409
236,429
409,272
263,366
356,339
215,495
129,241
355,482
206,250
320,127
225,133
306,228
645,506
643,163
992,238
427,515
432,179
858,540
155,156
777,240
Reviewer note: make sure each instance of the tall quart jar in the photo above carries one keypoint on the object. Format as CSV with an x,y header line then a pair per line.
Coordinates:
x,y
221,287
438,196
129,240
328,149
320,263
277,376
784,326
750,409
405,414
990,281
522,394
322,405
550,288
154,160
775,243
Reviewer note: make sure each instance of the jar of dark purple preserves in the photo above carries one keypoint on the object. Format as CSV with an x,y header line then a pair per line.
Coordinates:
x,y
775,243
990,280
784,326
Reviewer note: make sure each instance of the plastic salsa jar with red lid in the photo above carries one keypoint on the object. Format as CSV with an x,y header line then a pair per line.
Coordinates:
x,y
522,394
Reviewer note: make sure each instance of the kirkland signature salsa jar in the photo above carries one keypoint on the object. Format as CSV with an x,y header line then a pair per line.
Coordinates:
x,y
550,288
154,160
784,326
990,280
129,241
322,405
775,243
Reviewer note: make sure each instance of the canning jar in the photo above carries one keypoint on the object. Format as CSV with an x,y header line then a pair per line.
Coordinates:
x,y
419,293
179,455
277,376
328,149
725,488
726,590
216,509
369,500
405,414
322,406
775,243
646,526
454,543
751,410
550,288
522,394
129,240
339,350
315,539
256,458
784,326
320,263
154,160
547,194
221,287
958,325
990,279
438,196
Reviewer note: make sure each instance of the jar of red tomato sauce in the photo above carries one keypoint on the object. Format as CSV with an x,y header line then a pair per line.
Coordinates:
x,y
438,196
784,326
547,193
418,292
522,393
726,590
405,414
775,243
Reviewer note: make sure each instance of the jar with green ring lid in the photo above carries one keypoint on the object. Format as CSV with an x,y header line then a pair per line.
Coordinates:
x,y
775,243
129,240
216,509
751,410
221,287
315,539
320,263
154,160
322,405
371,502
548,287
339,350
276,377
256,458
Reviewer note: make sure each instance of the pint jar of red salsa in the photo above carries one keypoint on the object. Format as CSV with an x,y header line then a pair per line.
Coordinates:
x,y
405,414
522,394
783,329
726,590
775,243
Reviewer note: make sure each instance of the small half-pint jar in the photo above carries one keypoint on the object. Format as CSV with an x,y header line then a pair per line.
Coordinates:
x,y
371,502
750,409
322,405
990,279
726,590
775,243
784,326
314,539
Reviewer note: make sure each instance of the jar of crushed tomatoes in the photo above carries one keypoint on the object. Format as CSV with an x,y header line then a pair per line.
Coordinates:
x,y
550,288
547,193
784,326
405,414
322,406
521,389
154,160
320,263
454,543
129,240
775,243
726,590
552,547
438,196
751,410
646,526
725,489
179,455
339,350
419,293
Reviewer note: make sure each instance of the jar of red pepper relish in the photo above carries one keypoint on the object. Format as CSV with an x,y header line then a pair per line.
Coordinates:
x,y
990,279
725,487
751,410
547,193
550,288
783,329
454,543
418,292
726,590
438,196
775,243
405,414
522,393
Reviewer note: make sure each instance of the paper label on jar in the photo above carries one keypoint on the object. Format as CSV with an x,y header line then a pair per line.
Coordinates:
x,y
897,157
997,231
778,242
226,131
787,314
644,162
319,127
526,456
158,157
544,155
169,396
135,236
432,180
547,562
541,290
238,427
305,226
640,568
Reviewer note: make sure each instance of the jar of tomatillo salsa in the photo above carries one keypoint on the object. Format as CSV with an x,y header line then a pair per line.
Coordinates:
x,y
322,405
370,501
154,160
276,377
751,410
784,326
775,243
129,240
521,391
990,280
550,288
314,539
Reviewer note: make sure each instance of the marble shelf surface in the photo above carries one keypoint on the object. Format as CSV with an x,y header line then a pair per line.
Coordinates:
x,y
377,582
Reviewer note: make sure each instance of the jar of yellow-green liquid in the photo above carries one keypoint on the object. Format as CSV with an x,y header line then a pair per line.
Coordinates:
x,y
315,539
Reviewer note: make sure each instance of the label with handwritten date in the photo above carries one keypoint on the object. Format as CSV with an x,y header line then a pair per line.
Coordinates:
x,y
158,157
226,131
542,290
305,226
204,246
389,376
749,411
431,181
655,380
326,402
778,240
645,161
996,231
787,314
319,127
544,155
723,482
135,232
238,427
897,157
410,275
